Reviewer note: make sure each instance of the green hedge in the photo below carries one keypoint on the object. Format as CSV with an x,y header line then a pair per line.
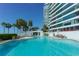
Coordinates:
x,y
7,36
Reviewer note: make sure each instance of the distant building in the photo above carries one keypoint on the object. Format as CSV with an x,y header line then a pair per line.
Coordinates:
x,y
46,16
63,18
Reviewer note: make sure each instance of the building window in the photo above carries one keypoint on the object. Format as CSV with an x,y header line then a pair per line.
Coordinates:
x,y
76,21
58,8
67,23
77,6
76,27
71,28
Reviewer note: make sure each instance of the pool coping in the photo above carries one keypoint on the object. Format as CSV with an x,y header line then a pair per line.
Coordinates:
x,y
56,38
24,38
5,41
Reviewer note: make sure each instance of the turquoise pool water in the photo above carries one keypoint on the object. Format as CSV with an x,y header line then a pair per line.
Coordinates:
x,y
40,46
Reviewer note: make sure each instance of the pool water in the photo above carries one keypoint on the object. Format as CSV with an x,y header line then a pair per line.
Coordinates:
x,y
40,46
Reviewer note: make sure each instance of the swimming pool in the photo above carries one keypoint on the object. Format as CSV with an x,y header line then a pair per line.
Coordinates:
x,y
40,46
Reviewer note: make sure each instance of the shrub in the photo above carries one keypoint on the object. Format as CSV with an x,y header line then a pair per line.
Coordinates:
x,y
7,36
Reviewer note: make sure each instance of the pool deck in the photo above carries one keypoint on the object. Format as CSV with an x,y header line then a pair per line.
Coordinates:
x,y
55,38
24,38
1,42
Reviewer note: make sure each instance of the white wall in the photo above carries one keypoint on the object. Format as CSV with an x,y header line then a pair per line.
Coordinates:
x,y
50,34
69,34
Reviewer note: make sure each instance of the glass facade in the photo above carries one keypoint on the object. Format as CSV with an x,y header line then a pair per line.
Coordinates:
x,y
63,16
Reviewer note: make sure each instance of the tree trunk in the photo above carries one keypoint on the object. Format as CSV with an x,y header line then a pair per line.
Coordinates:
x,y
17,31
14,30
8,30
4,30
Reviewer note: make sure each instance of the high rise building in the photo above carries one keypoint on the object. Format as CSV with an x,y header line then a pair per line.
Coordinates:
x,y
45,14
63,18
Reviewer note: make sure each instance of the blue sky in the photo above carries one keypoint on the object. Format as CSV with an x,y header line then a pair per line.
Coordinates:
x,y
11,12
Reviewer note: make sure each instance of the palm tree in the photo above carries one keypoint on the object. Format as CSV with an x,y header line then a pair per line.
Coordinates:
x,y
25,28
14,25
45,28
18,28
21,23
8,25
4,25
30,24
